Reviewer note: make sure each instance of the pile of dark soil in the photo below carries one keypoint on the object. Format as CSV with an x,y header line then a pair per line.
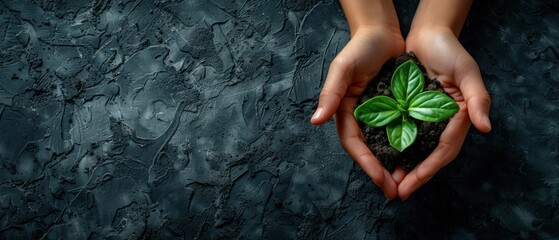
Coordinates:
x,y
376,138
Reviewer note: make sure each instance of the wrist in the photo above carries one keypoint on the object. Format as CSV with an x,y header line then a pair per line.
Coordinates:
x,y
434,30
380,38
385,30
439,14
370,14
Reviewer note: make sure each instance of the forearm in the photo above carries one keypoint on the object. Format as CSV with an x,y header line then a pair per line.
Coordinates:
x,y
441,13
373,13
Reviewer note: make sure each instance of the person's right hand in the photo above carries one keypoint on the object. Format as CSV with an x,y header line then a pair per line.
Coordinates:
x,y
349,74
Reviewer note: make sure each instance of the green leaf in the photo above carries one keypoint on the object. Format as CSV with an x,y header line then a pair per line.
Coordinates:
x,y
407,81
432,106
401,134
377,111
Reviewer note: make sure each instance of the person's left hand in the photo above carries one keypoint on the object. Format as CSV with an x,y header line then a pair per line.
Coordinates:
x,y
444,58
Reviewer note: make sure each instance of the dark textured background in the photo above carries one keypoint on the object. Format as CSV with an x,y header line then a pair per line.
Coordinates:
x,y
189,119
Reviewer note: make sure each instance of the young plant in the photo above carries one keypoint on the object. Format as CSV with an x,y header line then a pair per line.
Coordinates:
x,y
410,100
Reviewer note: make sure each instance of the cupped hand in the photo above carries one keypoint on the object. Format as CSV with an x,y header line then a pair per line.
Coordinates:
x,y
349,74
444,58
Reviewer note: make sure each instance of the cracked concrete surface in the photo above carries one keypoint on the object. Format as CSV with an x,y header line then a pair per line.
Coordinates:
x,y
189,119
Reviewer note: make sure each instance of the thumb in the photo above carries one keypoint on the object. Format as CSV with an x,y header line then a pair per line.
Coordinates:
x,y
476,96
334,90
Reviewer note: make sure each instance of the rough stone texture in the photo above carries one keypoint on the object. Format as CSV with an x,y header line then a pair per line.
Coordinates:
x,y
189,119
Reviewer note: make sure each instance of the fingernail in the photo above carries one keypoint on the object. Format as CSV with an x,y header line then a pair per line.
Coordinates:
x,y
486,122
318,113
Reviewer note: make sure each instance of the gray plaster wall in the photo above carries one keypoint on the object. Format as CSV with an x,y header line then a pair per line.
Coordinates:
x,y
190,120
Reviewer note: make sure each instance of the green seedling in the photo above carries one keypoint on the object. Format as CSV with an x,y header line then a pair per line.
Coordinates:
x,y
409,101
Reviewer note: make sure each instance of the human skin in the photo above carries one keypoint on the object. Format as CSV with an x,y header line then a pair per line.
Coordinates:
x,y
434,39
375,38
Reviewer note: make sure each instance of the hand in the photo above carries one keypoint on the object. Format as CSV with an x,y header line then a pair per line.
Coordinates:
x,y
444,58
349,74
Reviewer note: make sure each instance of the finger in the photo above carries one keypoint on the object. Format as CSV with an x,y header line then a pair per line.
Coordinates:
x,y
389,186
352,141
476,96
398,175
410,184
334,89
449,146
